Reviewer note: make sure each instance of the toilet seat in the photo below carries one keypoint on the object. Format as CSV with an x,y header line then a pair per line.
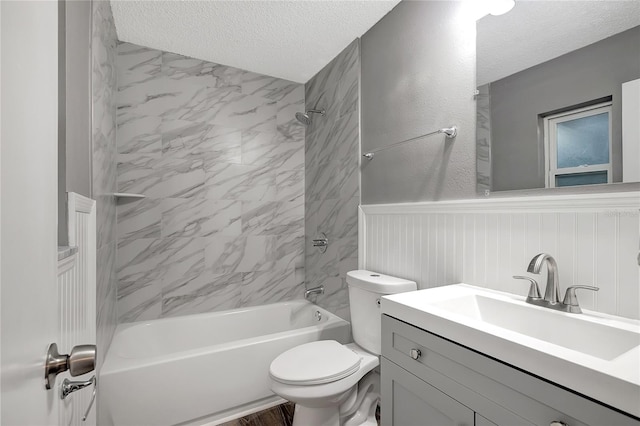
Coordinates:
x,y
327,394
315,363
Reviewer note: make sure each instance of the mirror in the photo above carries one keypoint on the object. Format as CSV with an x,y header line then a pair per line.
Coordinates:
x,y
558,99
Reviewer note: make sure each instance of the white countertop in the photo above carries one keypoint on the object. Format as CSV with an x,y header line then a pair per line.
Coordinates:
x,y
614,381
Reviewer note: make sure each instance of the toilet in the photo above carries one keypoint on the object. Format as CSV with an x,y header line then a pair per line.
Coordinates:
x,y
334,384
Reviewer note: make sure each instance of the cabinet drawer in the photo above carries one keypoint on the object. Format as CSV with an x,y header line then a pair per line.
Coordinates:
x,y
486,382
408,401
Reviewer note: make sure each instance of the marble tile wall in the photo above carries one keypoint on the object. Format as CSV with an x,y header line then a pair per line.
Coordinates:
x,y
483,139
220,158
332,178
103,126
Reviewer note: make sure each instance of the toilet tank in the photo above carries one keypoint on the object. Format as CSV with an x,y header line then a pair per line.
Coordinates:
x,y
365,290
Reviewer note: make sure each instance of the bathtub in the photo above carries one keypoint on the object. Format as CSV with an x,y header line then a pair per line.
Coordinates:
x,y
206,368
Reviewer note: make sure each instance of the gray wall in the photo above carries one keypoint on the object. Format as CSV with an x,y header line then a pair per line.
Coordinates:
x,y
103,128
418,75
590,73
220,157
332,180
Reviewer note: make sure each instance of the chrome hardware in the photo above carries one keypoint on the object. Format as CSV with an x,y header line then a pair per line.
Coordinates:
x,y
305,117
318,315
312,291
571,300
552,291
449,132
93,399
534,290
321,243
415,353
551,298
558,423
81,360
68,387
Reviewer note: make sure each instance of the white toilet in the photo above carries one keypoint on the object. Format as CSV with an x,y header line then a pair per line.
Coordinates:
x,y
334,384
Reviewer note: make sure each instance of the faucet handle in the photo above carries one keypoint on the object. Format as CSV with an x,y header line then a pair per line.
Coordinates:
x,y
571,300
534,290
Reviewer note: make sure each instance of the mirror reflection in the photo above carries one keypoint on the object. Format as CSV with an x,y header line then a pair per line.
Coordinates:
x,y
558,99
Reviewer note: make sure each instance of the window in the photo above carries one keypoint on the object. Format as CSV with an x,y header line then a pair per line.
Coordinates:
x,y
578,146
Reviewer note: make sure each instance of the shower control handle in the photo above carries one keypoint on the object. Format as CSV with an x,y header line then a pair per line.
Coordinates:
x,y
321,242
81,360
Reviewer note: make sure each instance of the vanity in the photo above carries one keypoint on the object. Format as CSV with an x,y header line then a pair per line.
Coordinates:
x,y
465,355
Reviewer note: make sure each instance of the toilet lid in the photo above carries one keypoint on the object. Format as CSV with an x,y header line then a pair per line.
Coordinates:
x,y
324,361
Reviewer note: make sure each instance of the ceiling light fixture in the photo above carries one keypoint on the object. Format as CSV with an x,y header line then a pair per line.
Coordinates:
x,y
482,8
500,7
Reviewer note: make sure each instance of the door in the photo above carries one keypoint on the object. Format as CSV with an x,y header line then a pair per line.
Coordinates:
x,y
28,208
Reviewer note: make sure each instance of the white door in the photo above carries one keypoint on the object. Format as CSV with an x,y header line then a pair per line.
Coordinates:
x,y
28,208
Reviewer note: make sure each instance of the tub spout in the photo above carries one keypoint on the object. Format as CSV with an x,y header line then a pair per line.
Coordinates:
x,y
312,291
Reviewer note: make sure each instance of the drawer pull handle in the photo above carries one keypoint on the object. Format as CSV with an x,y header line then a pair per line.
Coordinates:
x,y
416,353
558,423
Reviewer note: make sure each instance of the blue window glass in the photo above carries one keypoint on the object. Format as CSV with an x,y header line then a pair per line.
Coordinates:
x,y
573,179
583,141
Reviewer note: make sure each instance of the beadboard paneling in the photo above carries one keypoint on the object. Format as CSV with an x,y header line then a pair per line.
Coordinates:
x,y
595,240
77,303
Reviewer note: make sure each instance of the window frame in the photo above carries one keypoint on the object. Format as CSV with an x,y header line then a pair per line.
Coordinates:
x,y
551,145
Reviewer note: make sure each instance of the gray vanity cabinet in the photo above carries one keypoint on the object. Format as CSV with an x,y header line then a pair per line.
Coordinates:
x,y
412,401
427,380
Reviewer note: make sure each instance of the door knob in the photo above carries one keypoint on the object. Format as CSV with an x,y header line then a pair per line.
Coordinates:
x,y
81,360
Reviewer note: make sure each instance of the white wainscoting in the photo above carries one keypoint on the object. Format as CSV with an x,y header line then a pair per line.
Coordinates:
x,y
595,239
77,302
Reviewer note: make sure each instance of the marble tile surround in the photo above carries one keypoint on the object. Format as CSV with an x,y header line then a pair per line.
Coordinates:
x,y
332,187
221,159
103,126
483,139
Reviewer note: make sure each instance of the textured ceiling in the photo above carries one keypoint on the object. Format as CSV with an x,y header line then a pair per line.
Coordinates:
x,y
536,31
288,39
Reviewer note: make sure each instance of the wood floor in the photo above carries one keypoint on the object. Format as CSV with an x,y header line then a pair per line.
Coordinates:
x,y
280,415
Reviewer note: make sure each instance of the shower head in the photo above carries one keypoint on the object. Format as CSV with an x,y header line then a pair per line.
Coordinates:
x,y
305,117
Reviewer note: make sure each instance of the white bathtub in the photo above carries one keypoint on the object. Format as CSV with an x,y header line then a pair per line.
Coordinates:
x,y
205,368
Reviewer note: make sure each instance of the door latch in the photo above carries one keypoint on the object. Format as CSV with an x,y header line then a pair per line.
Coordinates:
x,y
68,387
81,360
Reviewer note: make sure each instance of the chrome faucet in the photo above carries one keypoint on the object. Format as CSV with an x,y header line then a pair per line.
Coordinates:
x,y
312,291
552,291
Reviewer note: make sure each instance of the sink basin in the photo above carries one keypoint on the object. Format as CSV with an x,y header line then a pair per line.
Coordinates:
x,y
595,354
567,330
